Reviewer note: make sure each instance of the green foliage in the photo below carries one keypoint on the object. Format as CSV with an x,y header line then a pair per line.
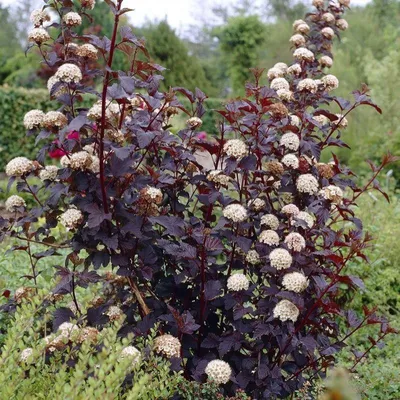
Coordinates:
x,y
14,104
240,40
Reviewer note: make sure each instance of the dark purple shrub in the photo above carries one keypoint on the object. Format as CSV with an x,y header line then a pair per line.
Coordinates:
x,y
237,245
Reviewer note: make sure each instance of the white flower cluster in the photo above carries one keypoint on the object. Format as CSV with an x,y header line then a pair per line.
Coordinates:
x,y
132,353
295,281
80,161
290,140
87,51
269,237
282,66
26,355
33,119
321,119
95,112
318,3
330,82
290,209
72,19
252,257
303,54
270,220
332,193
280,259
298,40
308,85
69,73
307,183
295,69
14,202
341,121
154,193
235,148
345,2
217,176
89,4
71,218
116,135
39,17
342,24
68,329
168,345
286,310
238,282
327,32
290,161
194,122
306,217
54,119
328,17
280,84
326,61
218,371
295,241
114,313
51,83
235,213
274,73
257,204
19,166
38,36
303,28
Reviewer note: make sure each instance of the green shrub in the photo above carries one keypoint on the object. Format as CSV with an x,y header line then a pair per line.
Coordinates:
x,y
14,104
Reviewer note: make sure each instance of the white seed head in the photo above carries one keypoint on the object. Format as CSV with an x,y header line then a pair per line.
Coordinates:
x,y
238,282
308,184
295,281
168,345
19,166
235,148
235,213
269,237
13,203
218,371
33,119
286,310
280,259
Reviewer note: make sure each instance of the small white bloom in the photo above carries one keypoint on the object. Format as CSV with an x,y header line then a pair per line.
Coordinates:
x,y
132,353
303,54
290,209
168,345
39,17
295,241
54,119
238,282
280,84
38,36
326,61
235,148
72,19
290,140
89,4
341,121
286,310
114,313
330,82
303,28
307,183
235,213
295,281
71,218
87,51
253,257
33,119
280,259
69,73
332,193
13,203
306,217
307,85
270,221
294,120
275,73
290,161
327,32
80,161
342,24
194,122
269,237
298,40
19,166
217,176
218,371
328,17
295,69
285,95
257,204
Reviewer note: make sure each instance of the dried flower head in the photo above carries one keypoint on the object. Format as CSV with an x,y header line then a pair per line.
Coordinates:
x,y
69,73
269,237
194,122
235,148
33,119
290,141
308,85
286,310
88,334
290,161
279,84
238,282
325,170
23,293
327,32
326,61
87,51
342,24
298,40
89,4
19,166
280,259
308,184
275,168
290,209
332,193
168,345
39,17
303,54
14,203
285,95
218,371
71,218
151,195
294,69
114,313
252,257
235,213
54,119
295,281
330,82
295,241
217,176
278,111
72,19
270,221
38,36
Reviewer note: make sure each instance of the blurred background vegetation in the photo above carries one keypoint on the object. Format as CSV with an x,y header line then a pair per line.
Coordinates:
x,y
216,57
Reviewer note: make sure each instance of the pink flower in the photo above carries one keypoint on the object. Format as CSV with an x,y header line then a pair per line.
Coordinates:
x,y
57,152
202,135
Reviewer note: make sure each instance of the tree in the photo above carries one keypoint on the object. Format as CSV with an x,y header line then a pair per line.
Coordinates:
x,y
239,41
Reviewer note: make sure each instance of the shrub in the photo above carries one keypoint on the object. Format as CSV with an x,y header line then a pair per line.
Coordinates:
x,y
243,264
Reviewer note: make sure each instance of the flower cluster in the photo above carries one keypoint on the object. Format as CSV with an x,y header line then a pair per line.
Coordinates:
x,y
71,218
14,203
19,166
238,282
235,213
280,259
235,148
168,345
286,310
295,281
218,371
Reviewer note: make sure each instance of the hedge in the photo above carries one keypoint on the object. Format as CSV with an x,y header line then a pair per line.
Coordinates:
x,y
14,104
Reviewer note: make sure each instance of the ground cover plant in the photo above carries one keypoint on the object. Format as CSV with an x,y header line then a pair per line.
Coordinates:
x,y
238,258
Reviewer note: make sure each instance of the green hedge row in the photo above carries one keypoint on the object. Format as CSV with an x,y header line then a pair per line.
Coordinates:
x,y
14,104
